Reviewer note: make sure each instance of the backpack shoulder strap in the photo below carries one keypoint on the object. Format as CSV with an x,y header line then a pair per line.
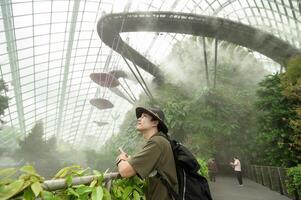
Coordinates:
x,y
170,190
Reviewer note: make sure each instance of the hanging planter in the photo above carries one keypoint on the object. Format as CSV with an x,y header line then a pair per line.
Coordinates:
x,y
105,79
100,123
101,104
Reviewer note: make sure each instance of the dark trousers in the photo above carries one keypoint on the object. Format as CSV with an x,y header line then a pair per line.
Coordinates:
x,y
212,176
239,177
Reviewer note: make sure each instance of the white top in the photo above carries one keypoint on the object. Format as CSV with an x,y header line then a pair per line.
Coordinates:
x,y
237,166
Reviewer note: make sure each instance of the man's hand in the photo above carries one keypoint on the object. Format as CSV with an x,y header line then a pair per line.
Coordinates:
x,y
122,156
124,168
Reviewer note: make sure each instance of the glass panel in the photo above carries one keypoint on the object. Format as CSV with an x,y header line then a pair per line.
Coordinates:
x,y
42,32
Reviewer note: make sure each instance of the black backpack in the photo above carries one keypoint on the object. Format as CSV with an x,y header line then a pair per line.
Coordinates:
x,y
192,185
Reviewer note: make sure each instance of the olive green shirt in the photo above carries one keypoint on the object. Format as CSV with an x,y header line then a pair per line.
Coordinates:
x,y
155,156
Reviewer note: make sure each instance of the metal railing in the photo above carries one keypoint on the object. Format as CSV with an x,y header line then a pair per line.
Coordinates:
x,y
272,177
51,185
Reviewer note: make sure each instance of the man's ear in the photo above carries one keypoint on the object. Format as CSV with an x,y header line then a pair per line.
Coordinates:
x,y
156,123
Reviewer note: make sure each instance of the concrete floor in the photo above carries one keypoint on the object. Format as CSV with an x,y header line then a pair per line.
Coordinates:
x,y
227,188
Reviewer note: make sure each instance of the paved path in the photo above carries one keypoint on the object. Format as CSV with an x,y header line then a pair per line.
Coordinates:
x,y
227,188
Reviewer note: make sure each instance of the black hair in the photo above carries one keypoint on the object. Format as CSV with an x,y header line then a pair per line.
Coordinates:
x,y
154,119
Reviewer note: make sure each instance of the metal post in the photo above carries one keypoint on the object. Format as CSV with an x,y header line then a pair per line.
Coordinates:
x,y
7,13
206,63
129,89
129,95
270,178
262,177
63,90
280,181
249,172
246,171
252,173
144,89
215,62
256,178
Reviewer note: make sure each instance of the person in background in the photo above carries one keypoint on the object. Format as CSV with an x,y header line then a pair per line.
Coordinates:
x,y
237,169
212,168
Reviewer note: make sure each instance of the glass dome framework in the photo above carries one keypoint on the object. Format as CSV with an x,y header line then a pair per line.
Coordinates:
x,y
49,48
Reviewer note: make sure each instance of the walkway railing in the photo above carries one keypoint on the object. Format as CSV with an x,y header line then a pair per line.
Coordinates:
x,y
272,177
51,185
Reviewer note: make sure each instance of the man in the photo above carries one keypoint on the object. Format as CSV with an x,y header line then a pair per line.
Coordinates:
x,y
155,157
237,168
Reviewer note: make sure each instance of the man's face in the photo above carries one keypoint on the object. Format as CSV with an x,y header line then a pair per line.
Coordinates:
x,y
144,122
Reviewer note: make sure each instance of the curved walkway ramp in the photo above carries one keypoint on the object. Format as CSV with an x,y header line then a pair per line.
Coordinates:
x,y
226,188
110,26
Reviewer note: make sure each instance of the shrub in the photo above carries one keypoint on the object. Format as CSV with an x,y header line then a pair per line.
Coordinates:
x,y
204,169
294,180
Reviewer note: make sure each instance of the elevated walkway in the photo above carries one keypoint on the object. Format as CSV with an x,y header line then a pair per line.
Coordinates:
x,y
110,26
227,188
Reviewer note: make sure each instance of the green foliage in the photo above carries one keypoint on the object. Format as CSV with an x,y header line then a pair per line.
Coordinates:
x,y
131,188
174,102
101,161
29,186
276,136
294,180
209,121
39,152
293,69
279,134
3,99
70,154
9,134
204,168
28,183
74,170
291,82
95,190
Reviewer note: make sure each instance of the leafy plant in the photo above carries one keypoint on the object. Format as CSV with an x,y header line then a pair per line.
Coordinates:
x,y
204,168
100,161
28,186
278,139
95,190
291,82
9,134
28,183
37,151
131,188
294,180
74,170
293,69
3,99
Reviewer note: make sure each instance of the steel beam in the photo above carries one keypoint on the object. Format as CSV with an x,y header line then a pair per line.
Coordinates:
x,y
67,63
6,8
